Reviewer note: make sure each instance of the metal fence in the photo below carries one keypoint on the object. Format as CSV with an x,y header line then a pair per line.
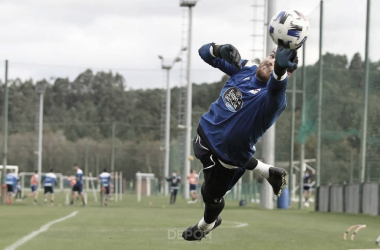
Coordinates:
x,y
349,198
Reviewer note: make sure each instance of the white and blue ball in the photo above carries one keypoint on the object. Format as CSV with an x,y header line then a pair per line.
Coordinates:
x,y
289,29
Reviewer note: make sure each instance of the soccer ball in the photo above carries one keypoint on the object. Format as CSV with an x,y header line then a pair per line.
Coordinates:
x,y
289,29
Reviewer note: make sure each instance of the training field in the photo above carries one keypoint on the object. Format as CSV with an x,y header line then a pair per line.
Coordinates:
x,y
157,225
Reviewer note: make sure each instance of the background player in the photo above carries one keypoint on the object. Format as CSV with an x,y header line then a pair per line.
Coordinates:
x,y
33,187
105,180
78,187
307,186
11,182
50,180
193,181
174,180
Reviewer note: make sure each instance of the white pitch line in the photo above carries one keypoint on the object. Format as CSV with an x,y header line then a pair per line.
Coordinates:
x,y
35,233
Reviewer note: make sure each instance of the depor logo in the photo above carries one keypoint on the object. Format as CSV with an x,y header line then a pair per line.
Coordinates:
x,y
232,98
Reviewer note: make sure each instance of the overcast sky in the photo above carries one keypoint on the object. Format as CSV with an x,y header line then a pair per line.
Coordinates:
x,y
61,38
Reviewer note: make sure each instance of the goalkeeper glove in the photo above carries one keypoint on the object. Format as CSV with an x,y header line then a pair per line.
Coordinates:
x,y
285,58
227,52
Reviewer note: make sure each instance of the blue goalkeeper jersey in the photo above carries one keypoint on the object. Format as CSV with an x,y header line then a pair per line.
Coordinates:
x,y
245,109
105,179
50,180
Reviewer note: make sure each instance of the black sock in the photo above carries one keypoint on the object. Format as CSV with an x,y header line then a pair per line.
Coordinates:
x,y
212,211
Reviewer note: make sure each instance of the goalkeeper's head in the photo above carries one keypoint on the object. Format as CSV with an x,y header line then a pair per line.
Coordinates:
x,y
266,67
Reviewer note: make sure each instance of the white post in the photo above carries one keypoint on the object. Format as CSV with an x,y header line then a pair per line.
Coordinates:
x,y
22,185
189,96
138,188
121,186
40,128
148,186
266,196
93,187
167,130
61,183
116,187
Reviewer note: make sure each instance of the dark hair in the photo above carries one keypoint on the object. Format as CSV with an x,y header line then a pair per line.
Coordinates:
x,y
52,170
35,171
104,170
75,165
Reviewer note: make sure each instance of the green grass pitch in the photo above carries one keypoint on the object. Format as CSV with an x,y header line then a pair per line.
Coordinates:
x,y
154,224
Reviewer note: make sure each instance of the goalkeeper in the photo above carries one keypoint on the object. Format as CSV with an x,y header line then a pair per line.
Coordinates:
x,y
249,103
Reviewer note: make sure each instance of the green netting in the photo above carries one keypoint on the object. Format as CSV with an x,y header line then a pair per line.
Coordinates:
x,y
343,75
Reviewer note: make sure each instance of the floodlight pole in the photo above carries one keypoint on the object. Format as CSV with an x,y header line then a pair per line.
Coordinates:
x,y
41,90
5,149
320,89
113,147
190,4
167,119
269,139
363,146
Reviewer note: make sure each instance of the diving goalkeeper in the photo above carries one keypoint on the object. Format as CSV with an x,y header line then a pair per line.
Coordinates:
x,y
249,103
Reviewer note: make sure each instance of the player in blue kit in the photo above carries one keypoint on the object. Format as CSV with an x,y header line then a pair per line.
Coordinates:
x,y
50,180
249,103
78,187
11,181
105,180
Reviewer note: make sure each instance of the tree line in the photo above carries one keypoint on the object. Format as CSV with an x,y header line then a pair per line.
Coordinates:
x,y
79,115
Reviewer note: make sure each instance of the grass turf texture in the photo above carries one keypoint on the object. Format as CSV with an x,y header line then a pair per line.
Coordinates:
x,y
132,225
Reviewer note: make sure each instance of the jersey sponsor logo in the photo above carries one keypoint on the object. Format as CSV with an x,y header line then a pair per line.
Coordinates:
x,y
254,91
232,98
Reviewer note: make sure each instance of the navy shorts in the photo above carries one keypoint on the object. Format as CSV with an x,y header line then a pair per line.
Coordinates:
x,y
48,190
306,188
193,187
10,188
33,188
107,190
78,188
217,178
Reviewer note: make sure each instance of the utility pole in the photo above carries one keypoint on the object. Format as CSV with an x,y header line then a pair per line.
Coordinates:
x,y
320,91
363,146
190,4
269,139
5,141
40,89
113,147
167,67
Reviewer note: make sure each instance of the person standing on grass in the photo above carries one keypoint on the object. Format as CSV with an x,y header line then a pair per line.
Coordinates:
x,y
105,180
307,186
249,103
33,187
78,187
11,182
174,180
193,181
50,180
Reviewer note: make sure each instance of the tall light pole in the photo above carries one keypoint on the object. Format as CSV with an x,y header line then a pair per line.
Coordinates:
x,y
40,89
269,137
167,67
190,4
5,149
363,145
